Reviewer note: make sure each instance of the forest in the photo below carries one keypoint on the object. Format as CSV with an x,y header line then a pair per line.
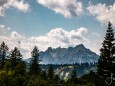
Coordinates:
x,y
14,71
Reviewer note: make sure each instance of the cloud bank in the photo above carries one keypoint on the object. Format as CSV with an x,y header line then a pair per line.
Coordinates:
x,y
18,4
103,13
57,37
67,8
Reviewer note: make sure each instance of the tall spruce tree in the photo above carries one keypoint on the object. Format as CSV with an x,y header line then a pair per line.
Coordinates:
x,y
3,54
34,65
106,62
15,57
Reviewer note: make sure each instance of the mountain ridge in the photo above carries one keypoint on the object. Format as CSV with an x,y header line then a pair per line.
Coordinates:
x,y
78,54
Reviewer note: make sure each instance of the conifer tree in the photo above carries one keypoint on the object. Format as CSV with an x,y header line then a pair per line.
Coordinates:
x,y
3,54
106,62
44,75
57,79
74,78
50,73
34,65
15,57
74,75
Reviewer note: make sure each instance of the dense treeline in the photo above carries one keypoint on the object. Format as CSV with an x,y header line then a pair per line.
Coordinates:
x,y
15,72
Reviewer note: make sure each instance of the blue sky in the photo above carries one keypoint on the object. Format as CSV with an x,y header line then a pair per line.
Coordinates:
x,y
54,23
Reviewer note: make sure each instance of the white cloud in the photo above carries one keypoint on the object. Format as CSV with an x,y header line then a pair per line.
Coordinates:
x,y
57,37
18,4
103,13
60,38
3,29
14,34
67,8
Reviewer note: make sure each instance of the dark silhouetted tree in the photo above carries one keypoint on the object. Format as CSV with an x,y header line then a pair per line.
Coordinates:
x,y
15,57
51,73
57,79
106,62
44,75
74,78
3,54
20,68
34,64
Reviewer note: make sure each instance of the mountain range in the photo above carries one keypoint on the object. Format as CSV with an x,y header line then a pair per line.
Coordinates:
x,y
78,54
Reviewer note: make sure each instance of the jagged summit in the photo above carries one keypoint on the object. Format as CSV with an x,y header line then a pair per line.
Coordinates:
x,y
80,45
70,55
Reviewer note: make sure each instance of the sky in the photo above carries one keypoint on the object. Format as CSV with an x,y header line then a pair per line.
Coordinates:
x,y
55,23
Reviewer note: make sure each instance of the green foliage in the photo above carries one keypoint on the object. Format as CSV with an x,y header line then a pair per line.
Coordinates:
x,y
15,57
51,73
44,75
36,81
88,84
92,77
106,64
3,54
56,79
7,65
34,65
20,68
74,78
14,72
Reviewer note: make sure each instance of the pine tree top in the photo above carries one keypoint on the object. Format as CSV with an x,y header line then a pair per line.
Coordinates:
x,y
109,24
4,47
